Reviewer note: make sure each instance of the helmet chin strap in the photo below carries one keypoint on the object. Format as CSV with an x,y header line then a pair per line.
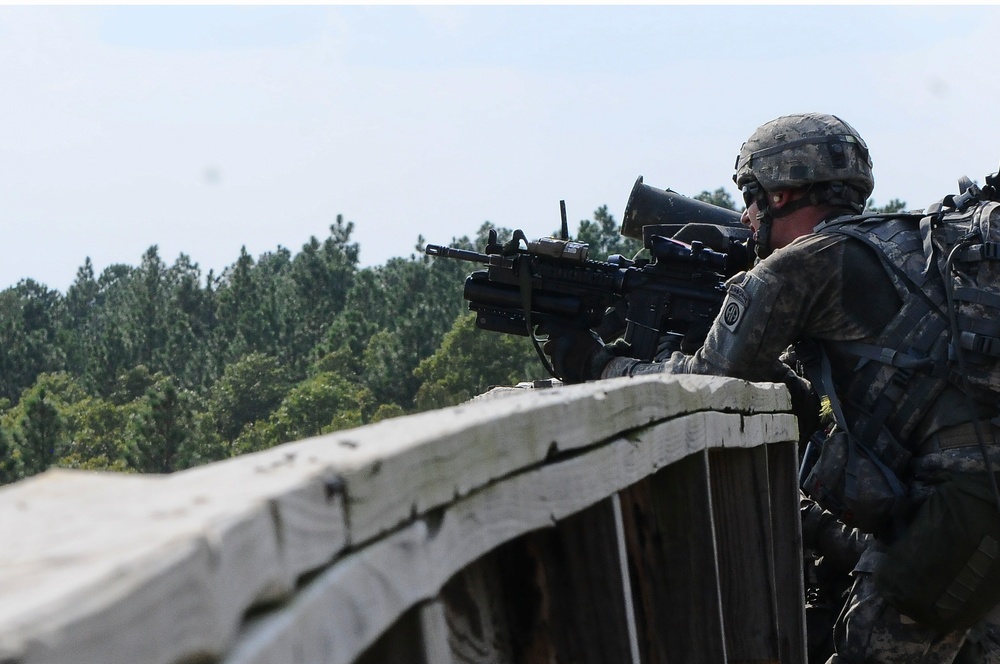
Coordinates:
x,y
765,219
763,244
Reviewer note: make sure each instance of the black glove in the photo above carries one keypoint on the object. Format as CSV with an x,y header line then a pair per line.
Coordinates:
x,y
668,344
805,405
578,355
814,521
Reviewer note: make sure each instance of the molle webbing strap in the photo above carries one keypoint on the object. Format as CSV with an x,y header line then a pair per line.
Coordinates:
x,y
976,296
882,247
897,385
986,251
989,346
888,356
989,328
980,335
970,578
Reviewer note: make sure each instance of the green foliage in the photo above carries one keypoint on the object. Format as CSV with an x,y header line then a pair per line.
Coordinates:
x,y
602,235
322,403
470,361
159,429
249,390
720,197
31,319
98,441
40,433
387,411
895,205
56,423
10,459
395,316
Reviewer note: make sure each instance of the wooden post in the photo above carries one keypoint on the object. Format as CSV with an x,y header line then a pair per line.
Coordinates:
x,y
467,623
552,595
402,644
782,465
672,562
741,505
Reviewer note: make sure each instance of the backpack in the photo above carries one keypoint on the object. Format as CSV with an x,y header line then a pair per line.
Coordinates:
x,y
943,568
968,258
945,262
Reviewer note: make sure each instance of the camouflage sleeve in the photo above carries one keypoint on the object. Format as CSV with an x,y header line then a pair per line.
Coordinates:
x,y
793,294
840,545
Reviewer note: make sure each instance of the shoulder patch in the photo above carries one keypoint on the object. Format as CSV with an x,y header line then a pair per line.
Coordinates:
x,y
736,302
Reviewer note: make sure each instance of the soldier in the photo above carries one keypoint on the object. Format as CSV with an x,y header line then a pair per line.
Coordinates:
x,y
825,278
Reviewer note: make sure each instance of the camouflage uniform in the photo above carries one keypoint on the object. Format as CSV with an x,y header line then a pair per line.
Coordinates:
x,y
870,630
805,290
830,288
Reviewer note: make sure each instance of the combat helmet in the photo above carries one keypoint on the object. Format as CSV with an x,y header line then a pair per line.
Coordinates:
x,y
808,150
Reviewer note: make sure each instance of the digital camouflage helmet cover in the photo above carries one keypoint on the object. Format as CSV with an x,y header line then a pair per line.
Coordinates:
x,y
804,150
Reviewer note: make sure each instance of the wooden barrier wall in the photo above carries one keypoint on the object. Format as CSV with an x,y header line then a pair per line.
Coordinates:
x,y
645,520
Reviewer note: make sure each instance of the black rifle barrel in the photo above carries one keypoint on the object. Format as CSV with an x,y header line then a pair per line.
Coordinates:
x,y
461,254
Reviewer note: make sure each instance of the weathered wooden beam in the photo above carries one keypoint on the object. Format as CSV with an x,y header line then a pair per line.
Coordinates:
x,y
363,594
344,533
398,468
88,555
564,592
551,595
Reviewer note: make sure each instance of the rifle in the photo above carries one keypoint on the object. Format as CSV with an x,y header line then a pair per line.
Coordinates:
x,y
666,302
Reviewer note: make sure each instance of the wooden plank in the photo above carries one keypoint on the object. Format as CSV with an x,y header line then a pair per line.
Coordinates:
x,y
304,496
67,570
672,561
564,592
472,624
398,468
402,644
782,465
626,580
741,507
232,535
141,557
437,633
363,594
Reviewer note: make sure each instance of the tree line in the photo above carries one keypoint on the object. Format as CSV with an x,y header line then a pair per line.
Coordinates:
x,y
157,367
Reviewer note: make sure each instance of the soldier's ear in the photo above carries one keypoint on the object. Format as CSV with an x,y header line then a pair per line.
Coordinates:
x,y
780,199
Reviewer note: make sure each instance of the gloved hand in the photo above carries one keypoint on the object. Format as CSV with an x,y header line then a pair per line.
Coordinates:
x,y
667,345
578,355
814,521
805,404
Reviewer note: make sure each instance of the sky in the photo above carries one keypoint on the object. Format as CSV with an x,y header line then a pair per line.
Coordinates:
x,y
204,129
